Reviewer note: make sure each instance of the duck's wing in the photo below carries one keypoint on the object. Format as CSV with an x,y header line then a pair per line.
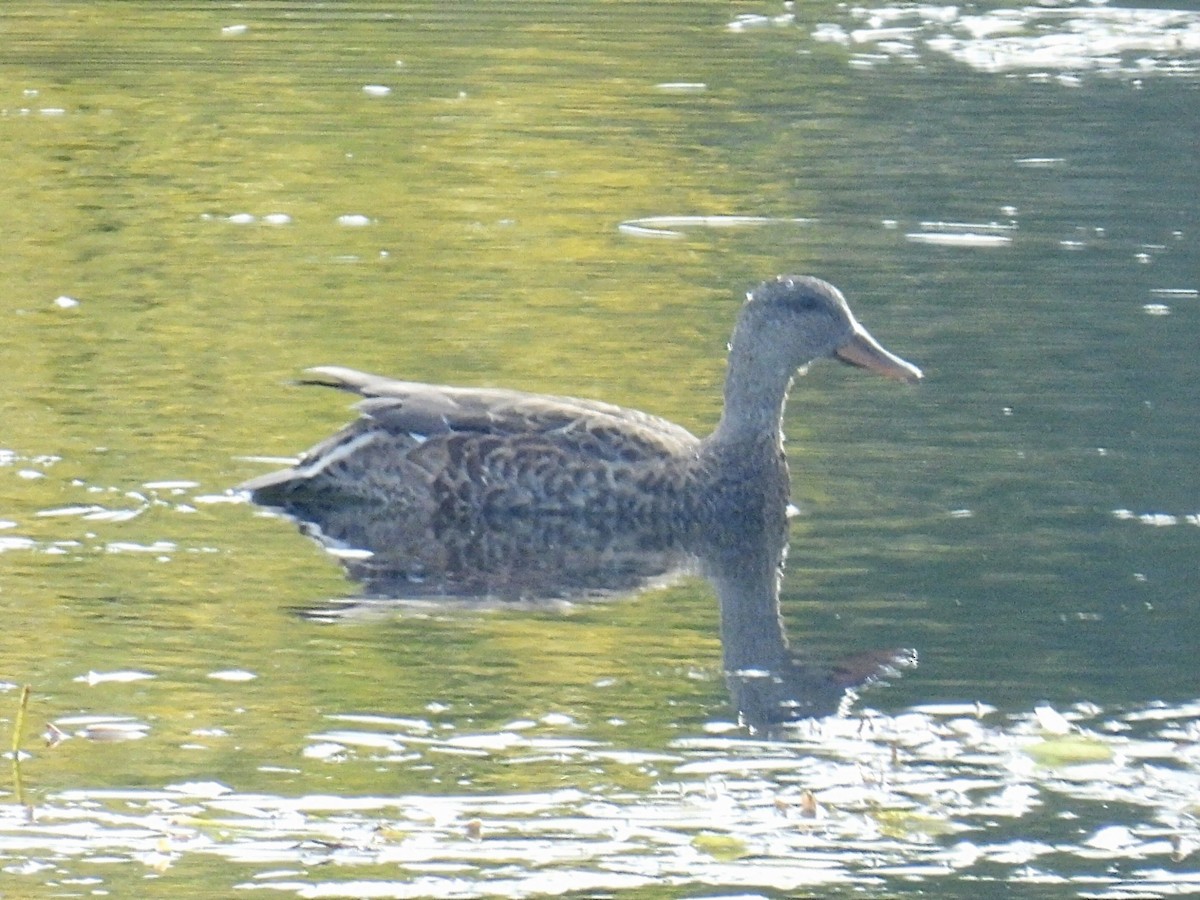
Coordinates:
x,y
601,430
433,447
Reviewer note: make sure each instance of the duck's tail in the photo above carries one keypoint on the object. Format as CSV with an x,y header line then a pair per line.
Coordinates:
x,y
273,488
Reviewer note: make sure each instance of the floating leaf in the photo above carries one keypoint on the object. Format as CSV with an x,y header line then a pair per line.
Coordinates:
x,y
721,847
1069,750
905,823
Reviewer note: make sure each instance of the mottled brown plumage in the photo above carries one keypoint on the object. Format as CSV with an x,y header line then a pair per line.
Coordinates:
x,y
461,452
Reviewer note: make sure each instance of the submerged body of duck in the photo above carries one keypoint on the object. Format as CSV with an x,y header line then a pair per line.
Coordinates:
x,y
461,452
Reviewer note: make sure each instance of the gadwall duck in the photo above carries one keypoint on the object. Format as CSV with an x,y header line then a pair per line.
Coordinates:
x,y
458,453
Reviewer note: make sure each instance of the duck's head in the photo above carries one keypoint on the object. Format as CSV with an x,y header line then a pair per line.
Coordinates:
x,y
792,320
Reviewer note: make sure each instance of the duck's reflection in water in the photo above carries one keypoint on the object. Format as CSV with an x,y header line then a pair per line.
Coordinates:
x,y
402,559
771,682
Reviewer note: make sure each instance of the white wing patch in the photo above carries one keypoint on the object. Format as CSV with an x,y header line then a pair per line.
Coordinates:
x,y
337,454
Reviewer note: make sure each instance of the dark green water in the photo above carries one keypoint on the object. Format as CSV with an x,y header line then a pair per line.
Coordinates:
x,y
177,177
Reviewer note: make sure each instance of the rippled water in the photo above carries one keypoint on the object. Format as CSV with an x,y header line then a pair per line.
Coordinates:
x,y
202,199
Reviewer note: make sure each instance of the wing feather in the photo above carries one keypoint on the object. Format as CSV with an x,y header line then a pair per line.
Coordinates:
x,y
602,430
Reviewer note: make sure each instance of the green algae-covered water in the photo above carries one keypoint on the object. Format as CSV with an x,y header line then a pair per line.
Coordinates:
x,y
202,199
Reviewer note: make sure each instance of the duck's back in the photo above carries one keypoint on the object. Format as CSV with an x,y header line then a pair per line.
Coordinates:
x,y
438,449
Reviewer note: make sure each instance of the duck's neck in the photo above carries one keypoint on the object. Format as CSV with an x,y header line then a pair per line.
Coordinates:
x,y
755,395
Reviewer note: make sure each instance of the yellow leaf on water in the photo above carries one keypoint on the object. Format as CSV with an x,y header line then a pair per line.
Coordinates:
x,y
905,823
721,846
1070,749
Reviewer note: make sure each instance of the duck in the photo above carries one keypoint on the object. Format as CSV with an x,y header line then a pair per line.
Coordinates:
x,y
458,453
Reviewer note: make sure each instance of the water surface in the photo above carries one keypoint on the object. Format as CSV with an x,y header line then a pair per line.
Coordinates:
x,y
203,199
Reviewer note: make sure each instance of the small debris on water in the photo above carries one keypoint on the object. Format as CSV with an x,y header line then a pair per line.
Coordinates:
x,y
94,678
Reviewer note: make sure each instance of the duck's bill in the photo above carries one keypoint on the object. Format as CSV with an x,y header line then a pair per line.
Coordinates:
x,y
864,351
